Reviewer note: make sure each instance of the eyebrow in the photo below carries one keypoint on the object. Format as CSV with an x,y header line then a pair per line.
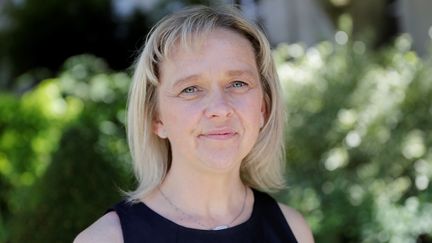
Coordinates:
x,y
230,73
189,78
241,72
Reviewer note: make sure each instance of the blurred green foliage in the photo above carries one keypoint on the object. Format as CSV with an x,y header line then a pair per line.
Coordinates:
x,y
359,140
358,145
63,152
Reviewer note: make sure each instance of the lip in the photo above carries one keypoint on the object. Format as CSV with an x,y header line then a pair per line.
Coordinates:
x,y
219,134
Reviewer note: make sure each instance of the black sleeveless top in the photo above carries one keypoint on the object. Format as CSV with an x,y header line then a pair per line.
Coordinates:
x,y
267,224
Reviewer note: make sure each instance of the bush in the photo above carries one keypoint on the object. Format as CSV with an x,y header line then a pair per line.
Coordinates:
x,y
359,139
64,152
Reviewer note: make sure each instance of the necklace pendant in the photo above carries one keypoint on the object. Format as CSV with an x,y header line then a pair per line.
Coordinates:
x,y
221,227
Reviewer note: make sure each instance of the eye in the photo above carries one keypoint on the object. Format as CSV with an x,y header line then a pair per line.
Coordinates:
x,y
238,84
190,90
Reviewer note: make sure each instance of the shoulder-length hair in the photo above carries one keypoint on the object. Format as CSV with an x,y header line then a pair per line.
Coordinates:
x,y
263,167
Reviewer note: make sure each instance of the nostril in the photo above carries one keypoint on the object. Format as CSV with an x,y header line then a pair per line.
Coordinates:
x,y
219,110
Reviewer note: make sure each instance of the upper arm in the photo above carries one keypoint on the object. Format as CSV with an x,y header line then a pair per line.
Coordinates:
x,y
105,229
298,224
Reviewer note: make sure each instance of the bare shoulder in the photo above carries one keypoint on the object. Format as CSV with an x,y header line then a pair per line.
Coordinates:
x,y
105,229
298,225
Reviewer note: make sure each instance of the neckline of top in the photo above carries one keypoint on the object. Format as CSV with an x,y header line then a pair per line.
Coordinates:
x,y
170,223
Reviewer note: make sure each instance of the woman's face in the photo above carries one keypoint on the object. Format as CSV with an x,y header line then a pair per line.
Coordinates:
x,y
210,102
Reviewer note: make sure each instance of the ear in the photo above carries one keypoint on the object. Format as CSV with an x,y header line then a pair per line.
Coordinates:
x,y
159,129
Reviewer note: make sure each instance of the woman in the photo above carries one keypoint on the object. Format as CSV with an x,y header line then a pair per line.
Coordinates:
x,y
205,127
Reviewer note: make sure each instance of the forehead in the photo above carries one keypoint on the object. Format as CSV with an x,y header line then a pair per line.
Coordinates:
x,y
193,41
220,47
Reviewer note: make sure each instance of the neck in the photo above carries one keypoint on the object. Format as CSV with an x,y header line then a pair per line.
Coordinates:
x,y
214,197
204,189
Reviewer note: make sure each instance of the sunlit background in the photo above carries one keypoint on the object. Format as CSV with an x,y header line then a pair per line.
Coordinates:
x,y
357,79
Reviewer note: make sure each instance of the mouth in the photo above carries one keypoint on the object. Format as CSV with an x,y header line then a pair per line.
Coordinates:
x,y
222,134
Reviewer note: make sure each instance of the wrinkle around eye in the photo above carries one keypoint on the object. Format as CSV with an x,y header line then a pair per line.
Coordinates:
x,y
242,83
239,86
190,92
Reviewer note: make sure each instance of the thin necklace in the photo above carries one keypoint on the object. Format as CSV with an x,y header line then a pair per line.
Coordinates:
x,y
186,215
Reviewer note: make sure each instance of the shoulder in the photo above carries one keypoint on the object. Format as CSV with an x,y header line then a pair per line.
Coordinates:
x,y
298,224
105,229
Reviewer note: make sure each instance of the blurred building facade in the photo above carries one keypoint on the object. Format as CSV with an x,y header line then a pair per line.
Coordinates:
x,y
289,20
415,18
306,21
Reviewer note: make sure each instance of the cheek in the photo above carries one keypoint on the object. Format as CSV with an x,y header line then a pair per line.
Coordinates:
x,y
251,109
180,118
256,103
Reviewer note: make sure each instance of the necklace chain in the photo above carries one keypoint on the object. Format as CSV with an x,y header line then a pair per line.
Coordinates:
x,y
187,215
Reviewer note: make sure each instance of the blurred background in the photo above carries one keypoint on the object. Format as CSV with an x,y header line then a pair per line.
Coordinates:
x,y
357,79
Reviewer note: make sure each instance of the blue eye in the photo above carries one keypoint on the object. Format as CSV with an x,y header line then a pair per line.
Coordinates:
x,y
190,90
238,84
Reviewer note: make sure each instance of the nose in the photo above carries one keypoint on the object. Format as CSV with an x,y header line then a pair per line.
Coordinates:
x,y
218,105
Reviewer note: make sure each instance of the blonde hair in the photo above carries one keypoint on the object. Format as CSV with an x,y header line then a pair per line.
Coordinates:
x,y
263,167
